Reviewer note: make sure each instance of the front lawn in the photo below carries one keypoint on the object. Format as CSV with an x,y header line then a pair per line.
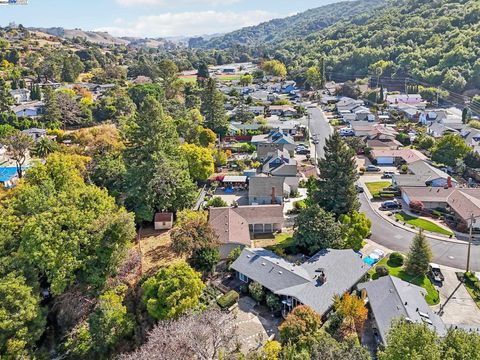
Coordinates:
x,y
282,242
377,186
432,297
422,224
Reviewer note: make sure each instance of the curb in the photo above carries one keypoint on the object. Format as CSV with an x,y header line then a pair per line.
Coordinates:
x,y
400,226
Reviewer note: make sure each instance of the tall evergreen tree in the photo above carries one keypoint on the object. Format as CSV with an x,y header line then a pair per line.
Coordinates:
x,y
157,176
419,256
338,173
6,100
213,108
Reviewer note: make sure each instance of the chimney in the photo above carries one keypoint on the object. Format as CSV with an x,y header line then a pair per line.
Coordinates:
x,y
274,199
449,181
322,278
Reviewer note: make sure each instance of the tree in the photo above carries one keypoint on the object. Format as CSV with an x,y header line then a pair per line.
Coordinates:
x,y
205,259
356,228
454,80
200,161
301,327
216,201
472,160
213,108
207,138
271,350
411,341
180,339
246,79
338,173
138,93
450,148
234,255
21,319
55,238
419,256
203,72
193,234
110,322
317,229
425,142
256,290
459,344
44,147
273,302
314,78
168,71
18,147
157,177
186,215
378,68
350,89
274,68
173,291
6,100
353,313
466,115
403,138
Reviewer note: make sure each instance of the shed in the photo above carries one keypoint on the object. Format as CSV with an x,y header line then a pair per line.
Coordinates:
x,y
163,221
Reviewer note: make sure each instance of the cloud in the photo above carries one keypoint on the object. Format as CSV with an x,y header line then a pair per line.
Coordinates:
x,y
187,23
175,3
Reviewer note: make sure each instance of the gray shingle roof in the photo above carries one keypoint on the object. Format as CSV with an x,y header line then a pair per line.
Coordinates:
x,y
262,186
342,268
392,298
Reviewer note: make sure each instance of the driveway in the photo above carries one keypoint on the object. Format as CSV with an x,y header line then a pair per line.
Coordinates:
x,y
460,309
253,330
240,196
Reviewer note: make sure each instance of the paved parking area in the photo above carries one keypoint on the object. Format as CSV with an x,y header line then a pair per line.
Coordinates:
x,y
253,330
241,197
460,309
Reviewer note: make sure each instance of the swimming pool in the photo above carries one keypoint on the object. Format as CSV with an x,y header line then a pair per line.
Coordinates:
x,y
370,261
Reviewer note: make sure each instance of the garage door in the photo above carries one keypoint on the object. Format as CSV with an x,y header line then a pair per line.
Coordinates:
x,y
385,160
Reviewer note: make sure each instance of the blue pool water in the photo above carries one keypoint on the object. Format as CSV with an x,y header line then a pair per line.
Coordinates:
x,y
369,260
6,173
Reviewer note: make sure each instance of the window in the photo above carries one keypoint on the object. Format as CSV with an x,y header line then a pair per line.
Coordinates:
x,y
164,223
242,277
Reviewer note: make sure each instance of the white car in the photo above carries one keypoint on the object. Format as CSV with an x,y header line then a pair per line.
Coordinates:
x,y
377,254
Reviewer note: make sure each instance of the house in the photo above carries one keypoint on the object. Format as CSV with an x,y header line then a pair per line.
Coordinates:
x,y
288,87
20,95
282,110
100,89
363,113
279,163
422,174
314,283
31,109
391,298
264,149
235,226
264,190
256,110
163,221
35,133
395,99
382,145
275,137
395,157
437,130
461,202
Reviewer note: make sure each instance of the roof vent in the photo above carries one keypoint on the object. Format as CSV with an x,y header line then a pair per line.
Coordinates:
x,y
248,256
263,264
280,272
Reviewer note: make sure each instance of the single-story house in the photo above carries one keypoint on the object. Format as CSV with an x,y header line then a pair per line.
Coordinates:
x,y
314,283
393,157
31,109
431,198
391,298
234,226
437,130
35,133
422,174
393,99
384,144
282,110
163,221
20,95
263,190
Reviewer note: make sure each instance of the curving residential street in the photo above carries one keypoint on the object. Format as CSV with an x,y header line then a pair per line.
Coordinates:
x,y
444,252
320,128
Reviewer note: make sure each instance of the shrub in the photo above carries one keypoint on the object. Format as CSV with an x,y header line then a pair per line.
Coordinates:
x,y
416,206
273,302
256,290
244,289
404,169
228,299
362,169
299,205
396,259
381,271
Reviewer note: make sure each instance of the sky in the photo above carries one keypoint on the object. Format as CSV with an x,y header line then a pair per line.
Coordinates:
x,y
152,18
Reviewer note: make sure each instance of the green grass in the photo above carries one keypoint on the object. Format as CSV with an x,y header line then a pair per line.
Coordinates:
x,y
422,224
188,79
431,298
376,187
283,241
228,77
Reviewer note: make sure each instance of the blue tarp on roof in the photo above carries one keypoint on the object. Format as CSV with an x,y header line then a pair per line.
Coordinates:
x,y
6,173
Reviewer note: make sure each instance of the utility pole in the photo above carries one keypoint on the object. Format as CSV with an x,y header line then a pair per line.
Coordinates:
x,y
406,86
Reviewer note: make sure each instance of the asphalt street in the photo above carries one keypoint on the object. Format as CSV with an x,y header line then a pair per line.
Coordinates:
x,y
397,239
319,128
386,234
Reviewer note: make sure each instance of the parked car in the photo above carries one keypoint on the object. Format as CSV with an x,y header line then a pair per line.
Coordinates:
x,y
391,205
435,273
300,146
347,132
303,151
316,142
387,174
359,189
372,168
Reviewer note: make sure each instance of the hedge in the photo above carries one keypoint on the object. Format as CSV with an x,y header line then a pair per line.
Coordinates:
x,y
227,300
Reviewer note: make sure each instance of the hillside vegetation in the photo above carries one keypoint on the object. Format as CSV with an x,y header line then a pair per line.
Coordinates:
x,y
437,41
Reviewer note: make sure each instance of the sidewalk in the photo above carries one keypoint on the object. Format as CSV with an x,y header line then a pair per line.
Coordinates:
x,y
375,206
